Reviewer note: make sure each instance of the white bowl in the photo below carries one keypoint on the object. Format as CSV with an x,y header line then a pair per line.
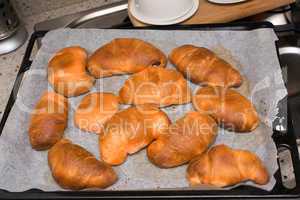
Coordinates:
x,y
163,12
226,1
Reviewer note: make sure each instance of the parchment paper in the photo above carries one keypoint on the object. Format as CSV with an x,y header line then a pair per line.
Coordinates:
x,y
253,52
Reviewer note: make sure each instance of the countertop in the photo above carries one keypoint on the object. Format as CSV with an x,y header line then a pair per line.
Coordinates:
x,y
31,12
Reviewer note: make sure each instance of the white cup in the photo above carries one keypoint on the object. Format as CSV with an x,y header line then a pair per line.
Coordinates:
x,y
163,10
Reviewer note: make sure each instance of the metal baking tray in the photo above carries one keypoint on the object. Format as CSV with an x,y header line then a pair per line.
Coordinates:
x,y
287,185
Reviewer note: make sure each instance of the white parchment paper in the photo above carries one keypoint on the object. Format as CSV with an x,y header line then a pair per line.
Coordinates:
x,y
252,52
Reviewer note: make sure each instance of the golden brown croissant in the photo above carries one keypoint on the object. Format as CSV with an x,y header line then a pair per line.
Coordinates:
x,y
188,137
201,65
48,121
94,110
159,86
129,131
75,168
67,72
125,56
222,166
228,107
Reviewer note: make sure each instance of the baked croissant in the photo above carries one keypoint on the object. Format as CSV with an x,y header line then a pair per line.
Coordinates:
x,y
67,72
201,65
129,131
159,86
188,137
94,110
228,107
222,166
125,56
48,121
75,168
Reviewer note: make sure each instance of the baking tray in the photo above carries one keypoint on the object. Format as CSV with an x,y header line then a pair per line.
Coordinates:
x,y
286,140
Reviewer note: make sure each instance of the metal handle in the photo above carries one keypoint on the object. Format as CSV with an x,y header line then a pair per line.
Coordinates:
x,y
98,13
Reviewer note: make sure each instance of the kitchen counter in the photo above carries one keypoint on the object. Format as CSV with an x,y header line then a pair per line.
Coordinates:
x,y
30,12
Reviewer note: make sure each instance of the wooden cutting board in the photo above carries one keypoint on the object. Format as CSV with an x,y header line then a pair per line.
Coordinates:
x,y
216,13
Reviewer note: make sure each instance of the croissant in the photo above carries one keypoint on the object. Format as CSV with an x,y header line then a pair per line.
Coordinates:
x,y
48,121
228,107
67,72
222,166
124,56
159,86
75,168
129,131
201,65
188,137
94,110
